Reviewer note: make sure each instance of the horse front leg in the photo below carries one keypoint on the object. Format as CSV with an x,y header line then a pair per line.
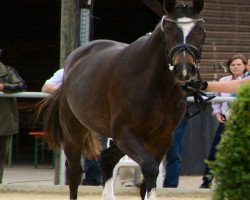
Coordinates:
x,y
150,171
131,145
109,158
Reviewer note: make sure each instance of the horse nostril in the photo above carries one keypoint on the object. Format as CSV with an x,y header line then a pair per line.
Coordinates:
x,y
180,71
184,71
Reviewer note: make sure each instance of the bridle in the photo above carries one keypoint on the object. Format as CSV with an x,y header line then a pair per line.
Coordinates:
x,y
194,51
196,54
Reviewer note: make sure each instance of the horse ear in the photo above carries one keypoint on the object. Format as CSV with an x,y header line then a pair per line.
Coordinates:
x,y
169,5
198,5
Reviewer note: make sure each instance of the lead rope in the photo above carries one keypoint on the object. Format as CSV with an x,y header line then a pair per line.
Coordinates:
x,y
199,101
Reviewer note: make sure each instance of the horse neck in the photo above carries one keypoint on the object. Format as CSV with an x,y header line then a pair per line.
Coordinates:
x,y
155,47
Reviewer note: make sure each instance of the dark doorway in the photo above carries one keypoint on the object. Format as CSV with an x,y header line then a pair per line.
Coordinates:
x,y
122,20
30,39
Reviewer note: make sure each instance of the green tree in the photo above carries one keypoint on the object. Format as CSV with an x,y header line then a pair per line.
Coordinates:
x,y
232,165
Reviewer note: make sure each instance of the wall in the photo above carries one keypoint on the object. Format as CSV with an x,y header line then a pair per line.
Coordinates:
x,y
228,25
197,141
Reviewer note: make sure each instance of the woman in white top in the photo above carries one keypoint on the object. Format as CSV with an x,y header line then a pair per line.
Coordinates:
x,y
236,66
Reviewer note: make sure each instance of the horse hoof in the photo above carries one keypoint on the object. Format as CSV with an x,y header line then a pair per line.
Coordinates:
x,y
151,195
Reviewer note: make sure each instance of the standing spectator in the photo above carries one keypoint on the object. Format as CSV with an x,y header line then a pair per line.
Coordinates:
x,y
10,82
236,66
91,167
173,157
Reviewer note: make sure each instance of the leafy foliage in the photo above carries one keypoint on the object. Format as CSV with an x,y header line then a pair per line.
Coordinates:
x,y
232,165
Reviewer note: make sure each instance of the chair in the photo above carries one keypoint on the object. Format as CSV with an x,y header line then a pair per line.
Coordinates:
x,y
40,142
126,161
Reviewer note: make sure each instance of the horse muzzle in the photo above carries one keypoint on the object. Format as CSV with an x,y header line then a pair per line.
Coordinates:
x,y
184,72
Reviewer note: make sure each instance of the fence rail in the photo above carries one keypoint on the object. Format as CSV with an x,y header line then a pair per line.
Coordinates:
x,y
44,95
25,94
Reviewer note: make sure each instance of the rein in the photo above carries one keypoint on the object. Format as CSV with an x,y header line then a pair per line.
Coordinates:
x,y
199,101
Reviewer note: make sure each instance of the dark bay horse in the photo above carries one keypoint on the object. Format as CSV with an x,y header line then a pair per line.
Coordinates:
x,y
130,93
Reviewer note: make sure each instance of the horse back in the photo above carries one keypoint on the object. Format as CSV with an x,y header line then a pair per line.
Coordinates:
x,y
91,49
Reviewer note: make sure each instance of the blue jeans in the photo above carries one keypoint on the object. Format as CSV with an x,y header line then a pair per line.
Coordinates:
x,y
92,167
173,157
207,179
92,171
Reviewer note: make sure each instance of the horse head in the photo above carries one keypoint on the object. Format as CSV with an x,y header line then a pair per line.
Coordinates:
x,y
183,34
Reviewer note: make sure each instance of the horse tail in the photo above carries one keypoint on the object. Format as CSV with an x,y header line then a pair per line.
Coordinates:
x,y
48,111
92,146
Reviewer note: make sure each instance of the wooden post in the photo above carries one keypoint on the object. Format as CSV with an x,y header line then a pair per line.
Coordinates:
x,y
69,41
69,28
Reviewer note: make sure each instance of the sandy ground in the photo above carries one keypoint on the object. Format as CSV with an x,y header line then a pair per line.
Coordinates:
x,y
27,183
30,196
44,175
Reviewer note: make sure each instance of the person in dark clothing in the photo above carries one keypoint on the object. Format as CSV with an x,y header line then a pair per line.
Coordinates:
x,y
10,82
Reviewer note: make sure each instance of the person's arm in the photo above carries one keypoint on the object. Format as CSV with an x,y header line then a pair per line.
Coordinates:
x,y
52,84
217,106
228,86
14,82
49,88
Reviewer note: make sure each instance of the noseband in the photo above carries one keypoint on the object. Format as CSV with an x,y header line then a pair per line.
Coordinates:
x,y
194,52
